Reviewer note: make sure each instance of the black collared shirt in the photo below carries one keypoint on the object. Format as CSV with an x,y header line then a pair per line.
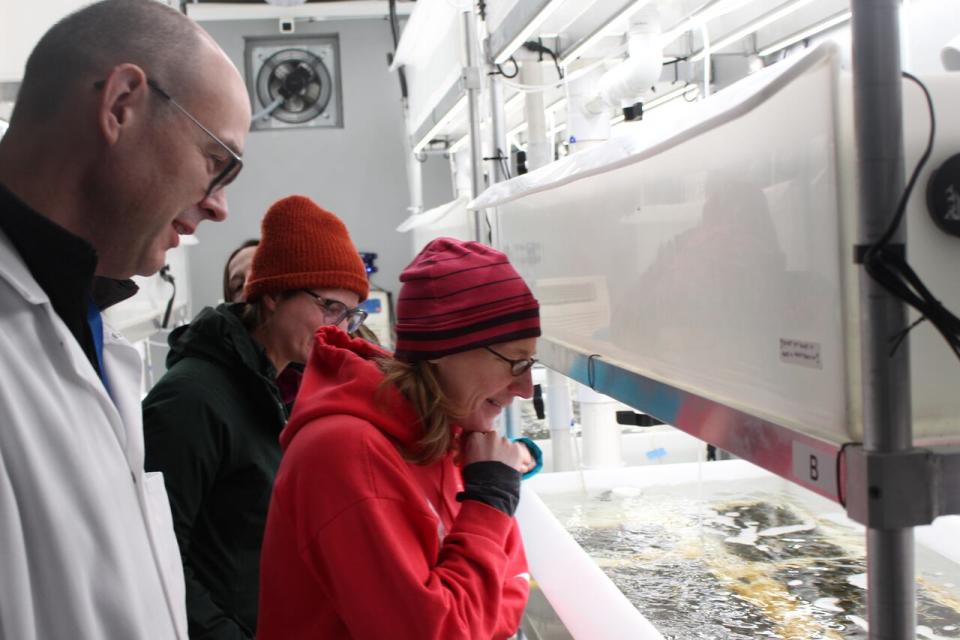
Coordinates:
x,y
63,265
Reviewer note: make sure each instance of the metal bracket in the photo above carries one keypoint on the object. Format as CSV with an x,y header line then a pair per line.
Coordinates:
x,y
472,78
902,489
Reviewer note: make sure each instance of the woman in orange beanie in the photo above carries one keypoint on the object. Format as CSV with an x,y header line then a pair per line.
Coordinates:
x,y
211,423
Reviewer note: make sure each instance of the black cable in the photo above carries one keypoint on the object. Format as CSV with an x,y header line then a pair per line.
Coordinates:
x,y
166,276
505,168
395,32
501,162
841,456
504,163
888,266
592,370
539,47
516,69
676,67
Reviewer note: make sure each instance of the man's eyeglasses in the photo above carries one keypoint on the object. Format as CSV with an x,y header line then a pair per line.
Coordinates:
x,y
337,312
517,367
227,168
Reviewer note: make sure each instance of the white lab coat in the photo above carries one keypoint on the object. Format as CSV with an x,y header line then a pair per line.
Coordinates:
x,y
87,549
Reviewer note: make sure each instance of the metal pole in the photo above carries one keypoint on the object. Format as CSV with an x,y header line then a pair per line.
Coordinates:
x,y
891,605
472,77
512,419
499,127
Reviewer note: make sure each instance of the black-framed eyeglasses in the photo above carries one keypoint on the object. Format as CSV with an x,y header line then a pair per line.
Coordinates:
x,y
337,312
517,367
228,168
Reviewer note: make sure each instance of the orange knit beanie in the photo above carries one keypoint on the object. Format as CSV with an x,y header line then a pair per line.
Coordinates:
x,y
303,246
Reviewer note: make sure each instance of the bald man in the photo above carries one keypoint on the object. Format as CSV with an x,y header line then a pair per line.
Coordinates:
x,y
129,124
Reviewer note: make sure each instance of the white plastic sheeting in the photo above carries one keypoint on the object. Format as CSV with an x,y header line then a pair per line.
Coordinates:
x,y
451,220
715,254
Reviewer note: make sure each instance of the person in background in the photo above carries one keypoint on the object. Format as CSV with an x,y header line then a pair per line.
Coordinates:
x,y
212,422
234,277
235,270
129,123
391,515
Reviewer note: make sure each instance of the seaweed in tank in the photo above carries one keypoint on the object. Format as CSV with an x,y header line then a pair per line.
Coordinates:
x,y
738,570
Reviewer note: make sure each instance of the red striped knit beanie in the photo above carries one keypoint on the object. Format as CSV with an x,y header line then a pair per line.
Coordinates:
x,y
457,296
303,246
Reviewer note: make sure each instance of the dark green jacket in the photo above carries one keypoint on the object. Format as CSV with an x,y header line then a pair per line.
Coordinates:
x,y
211,426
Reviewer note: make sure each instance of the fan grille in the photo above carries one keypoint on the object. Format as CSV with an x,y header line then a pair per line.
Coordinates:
x,y
300,79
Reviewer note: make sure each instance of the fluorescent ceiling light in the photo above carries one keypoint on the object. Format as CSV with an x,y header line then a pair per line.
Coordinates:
x,y
600,32
820,27
752,27
441,124
527,31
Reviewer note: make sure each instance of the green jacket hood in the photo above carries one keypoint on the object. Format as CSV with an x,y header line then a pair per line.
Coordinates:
x,y
218,335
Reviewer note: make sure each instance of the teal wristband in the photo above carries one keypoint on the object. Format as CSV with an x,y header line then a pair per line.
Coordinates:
x,y
535,452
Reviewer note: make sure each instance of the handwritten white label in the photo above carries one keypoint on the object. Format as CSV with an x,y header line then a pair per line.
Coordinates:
x,y
801,352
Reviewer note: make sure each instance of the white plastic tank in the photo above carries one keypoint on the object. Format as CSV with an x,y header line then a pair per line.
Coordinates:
x,y
716,255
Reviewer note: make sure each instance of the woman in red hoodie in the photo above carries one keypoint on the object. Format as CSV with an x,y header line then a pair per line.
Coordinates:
x,y
392,512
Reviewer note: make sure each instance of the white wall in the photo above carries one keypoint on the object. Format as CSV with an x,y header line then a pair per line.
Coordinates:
x,y
22,23
357,172
929,25
21,26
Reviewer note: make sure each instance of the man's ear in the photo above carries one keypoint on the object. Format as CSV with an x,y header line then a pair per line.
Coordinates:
x,y
123,96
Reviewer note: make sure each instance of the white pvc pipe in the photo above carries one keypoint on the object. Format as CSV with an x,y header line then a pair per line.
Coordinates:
x,y
462,172
589,604
539,148
588,118
414,167
706,60
633,77
559,417
950,55
601,433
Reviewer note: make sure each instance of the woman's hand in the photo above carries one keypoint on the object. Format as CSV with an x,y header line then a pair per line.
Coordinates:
x,y
527,461
481,446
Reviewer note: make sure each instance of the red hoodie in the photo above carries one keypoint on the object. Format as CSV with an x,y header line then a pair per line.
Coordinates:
x,y
360,543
